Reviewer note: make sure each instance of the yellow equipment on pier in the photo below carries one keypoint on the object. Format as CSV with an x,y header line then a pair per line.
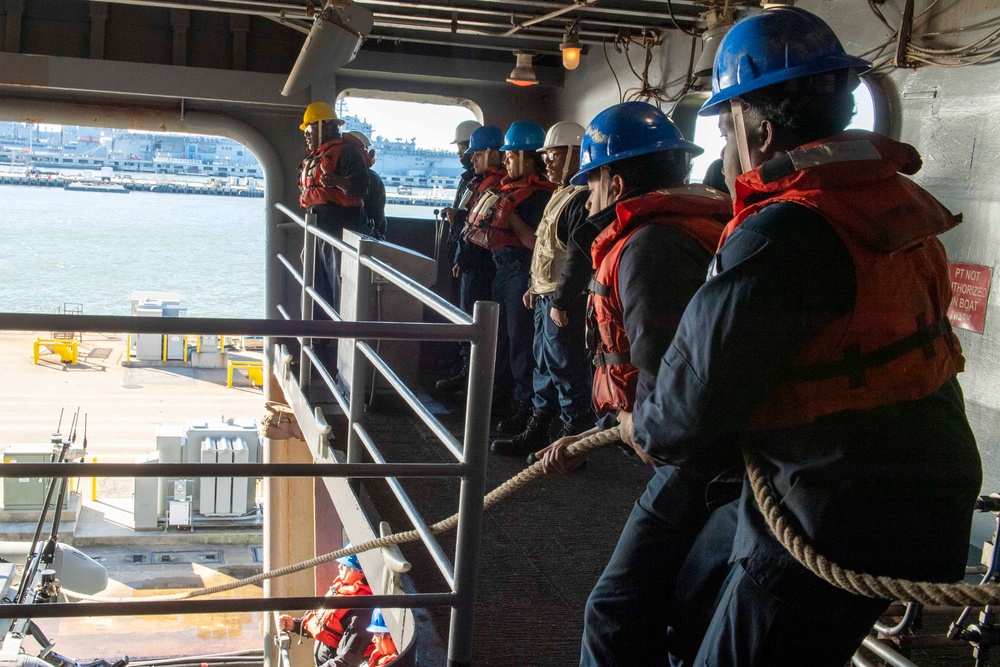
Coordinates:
x,y
67,349
255,371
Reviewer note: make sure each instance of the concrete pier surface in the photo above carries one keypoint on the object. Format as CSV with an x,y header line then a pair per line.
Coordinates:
x,y
124,407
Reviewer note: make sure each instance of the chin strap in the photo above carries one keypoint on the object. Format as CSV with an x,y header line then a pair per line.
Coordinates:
x,y
569,158
741,135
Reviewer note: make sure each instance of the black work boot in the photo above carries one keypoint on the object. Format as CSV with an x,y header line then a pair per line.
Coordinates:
x,y
575,427
534,436
517,421
455,383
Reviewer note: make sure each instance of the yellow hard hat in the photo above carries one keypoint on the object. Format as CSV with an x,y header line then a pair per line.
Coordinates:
x,y
318,111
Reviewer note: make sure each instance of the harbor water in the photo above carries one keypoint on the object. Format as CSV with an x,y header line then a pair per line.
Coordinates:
x,y
61,247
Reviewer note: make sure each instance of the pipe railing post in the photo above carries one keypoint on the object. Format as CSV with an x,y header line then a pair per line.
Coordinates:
x,y
307,303
470,505
359,364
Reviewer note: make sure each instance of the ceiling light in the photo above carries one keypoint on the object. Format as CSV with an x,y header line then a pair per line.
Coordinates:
x,y
334,40
571,48
719,23
522,74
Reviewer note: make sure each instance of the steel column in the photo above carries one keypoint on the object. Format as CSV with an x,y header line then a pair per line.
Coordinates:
x,y
476,445
363,278
309,280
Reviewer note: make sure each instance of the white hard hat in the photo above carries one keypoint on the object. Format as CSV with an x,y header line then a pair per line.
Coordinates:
x,y
464,130
563,133
360,136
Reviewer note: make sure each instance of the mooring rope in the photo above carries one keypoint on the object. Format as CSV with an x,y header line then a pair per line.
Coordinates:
x,y
583,446
957,594
888,588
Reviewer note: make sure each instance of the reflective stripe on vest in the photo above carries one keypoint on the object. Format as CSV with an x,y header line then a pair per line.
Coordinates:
x,y
312,190
895,344
549,255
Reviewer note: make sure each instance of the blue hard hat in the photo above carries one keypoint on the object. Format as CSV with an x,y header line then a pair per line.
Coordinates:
x,y
524,135
483,138
772,46
378,622
350,561
627,130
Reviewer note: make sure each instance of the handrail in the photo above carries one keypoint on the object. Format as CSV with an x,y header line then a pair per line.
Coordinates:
x,y
436,427
416,290
470,452
222,605
401,280
292,270
329,238
433,546
238,327
153,469
317,363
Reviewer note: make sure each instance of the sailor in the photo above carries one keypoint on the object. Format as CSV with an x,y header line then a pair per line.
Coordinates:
x,y
343,638
560,273
820,344
333,182
474,265
457,212
385,650
504,221
655,244
375,199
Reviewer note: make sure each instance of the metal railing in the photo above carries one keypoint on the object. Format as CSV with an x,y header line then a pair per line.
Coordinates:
x,y
470,453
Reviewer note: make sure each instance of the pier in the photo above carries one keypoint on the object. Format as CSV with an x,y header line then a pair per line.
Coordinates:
x,y
175,187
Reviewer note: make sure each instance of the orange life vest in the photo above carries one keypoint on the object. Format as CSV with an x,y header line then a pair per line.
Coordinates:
x,y
698,211
896,344
489,222
312,192
379,659
326,625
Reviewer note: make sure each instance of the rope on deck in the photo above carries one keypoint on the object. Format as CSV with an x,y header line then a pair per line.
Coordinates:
x,y
581,447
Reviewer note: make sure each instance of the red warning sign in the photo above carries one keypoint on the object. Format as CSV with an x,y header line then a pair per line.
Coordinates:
x,y
970,289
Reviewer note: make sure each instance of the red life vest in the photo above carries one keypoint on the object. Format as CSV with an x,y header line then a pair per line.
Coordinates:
x,y
325,625
492,178
311,189
378,659
698,211
489,222
896,344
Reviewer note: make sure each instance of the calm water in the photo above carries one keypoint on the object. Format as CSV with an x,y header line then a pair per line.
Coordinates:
x,y
90,248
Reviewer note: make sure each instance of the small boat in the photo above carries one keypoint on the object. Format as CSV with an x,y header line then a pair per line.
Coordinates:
x,y
84,186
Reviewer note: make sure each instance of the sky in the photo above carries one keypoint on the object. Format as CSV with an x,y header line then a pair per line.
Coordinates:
x,y
707,135
432,125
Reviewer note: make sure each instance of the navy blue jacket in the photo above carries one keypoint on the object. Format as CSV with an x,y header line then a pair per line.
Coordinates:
x,y
889,490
